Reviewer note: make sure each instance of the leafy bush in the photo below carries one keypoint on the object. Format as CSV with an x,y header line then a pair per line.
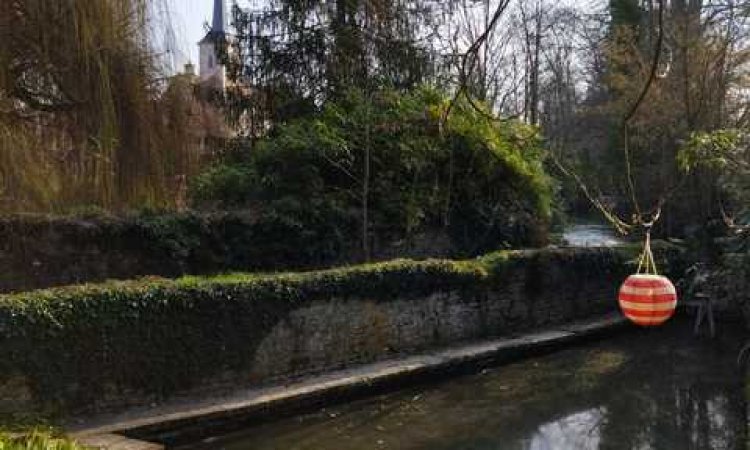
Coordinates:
x,y
726,154
42,251
386,163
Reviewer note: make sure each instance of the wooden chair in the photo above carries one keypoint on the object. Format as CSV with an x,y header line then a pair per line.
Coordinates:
x,y
698,296
704,304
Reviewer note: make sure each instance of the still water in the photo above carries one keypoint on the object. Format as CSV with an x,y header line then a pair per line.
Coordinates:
x,y
643,389
590,235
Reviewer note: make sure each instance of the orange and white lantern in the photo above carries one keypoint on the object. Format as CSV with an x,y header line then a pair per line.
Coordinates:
x,y
647,299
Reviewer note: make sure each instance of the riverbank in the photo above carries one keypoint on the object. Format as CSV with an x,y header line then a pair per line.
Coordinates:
x,y
656,388
189,421
118,347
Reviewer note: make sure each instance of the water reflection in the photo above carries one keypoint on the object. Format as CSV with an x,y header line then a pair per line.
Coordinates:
x,y
578,430
588,235
649,389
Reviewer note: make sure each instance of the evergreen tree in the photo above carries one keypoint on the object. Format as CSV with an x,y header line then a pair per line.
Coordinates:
x,y
625,13
292,56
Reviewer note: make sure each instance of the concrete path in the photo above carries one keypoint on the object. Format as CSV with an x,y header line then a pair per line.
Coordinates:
x,y
190,420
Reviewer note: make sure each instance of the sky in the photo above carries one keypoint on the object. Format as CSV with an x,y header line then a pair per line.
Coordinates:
x,y
189,19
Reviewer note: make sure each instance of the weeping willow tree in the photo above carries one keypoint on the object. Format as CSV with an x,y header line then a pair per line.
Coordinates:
x,y
83,115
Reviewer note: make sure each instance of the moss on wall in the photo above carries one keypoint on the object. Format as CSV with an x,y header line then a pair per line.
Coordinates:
x,y
97,345
41,251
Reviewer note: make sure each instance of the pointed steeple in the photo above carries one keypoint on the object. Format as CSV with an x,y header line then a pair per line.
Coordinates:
x,y
218,26
212,71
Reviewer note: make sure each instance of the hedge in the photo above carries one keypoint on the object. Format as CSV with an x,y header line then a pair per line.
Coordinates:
x,y
77,345
42,251
39,251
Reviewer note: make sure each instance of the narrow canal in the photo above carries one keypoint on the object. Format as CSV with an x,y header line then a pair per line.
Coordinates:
x,y
642,389
590,235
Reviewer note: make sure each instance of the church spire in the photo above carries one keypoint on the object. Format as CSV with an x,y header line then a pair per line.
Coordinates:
x,y
212,71
218,26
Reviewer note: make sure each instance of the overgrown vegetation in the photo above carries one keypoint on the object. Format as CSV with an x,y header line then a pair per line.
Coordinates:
x,y
724,270
36,439
42,251
726,154
688,61
382,168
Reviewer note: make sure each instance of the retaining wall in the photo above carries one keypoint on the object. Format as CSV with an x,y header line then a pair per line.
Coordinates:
x,y
109,347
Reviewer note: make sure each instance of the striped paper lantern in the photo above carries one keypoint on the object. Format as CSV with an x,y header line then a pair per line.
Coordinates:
x,y
647,299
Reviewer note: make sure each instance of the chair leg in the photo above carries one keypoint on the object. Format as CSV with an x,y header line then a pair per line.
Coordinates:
x,y
698,319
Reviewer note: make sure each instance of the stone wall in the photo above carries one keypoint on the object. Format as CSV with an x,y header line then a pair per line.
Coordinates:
x,y
43,251
336,333
310,323
537,289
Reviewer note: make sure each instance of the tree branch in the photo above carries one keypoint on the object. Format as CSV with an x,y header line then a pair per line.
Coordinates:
x,y
470,57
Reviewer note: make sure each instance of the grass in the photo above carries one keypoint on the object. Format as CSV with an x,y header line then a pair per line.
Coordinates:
x,y
37,439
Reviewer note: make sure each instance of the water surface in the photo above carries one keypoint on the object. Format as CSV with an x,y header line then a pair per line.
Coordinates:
x,y
647,389
590,235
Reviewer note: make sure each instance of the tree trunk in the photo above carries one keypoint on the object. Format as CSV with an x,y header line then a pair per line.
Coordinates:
x,y
366,187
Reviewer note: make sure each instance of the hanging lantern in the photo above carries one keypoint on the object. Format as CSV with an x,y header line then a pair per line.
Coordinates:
x,y
647,298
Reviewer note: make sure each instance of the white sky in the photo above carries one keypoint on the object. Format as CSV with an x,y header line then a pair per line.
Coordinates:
x,y
189,17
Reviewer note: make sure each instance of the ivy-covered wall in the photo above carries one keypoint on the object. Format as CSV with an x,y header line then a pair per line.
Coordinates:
x,y
40,251
106,346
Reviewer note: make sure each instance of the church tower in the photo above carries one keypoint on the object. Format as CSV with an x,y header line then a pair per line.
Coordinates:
x,y
212,73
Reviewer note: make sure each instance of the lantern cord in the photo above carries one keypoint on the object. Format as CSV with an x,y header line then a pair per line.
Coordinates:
x,y
647,263
634,108
624,226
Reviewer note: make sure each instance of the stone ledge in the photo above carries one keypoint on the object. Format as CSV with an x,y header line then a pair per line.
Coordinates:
x,y
193,419
116,442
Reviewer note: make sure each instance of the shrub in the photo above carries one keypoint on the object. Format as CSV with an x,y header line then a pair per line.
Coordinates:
x,y
480,182
42,251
